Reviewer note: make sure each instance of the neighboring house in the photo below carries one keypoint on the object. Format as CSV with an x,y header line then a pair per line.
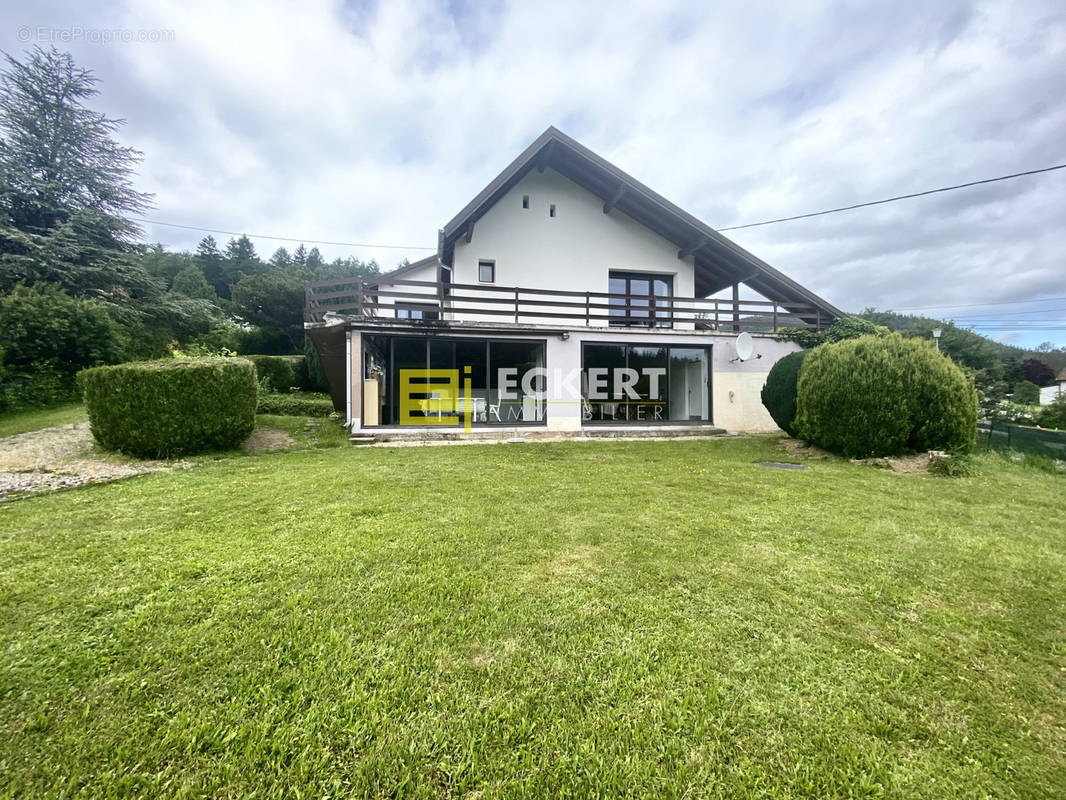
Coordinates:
x,y
621,310
1058,388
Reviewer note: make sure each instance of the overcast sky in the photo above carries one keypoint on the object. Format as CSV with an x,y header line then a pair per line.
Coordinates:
x,y
376,123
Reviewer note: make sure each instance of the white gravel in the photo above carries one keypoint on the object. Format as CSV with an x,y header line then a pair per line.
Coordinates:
x,y
62,457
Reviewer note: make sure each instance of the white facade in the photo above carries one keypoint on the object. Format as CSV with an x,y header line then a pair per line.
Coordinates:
x,y
572,251
1048,394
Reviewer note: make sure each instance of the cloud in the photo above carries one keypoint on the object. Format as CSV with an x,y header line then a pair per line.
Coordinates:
x,y
376,122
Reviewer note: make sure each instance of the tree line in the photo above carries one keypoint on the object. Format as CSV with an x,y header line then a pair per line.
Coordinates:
x,y
77,285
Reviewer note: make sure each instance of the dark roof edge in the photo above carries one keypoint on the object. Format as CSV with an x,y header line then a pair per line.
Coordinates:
x,y
399,272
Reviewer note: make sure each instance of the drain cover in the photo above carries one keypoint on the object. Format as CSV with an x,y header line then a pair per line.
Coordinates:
x,y
779,465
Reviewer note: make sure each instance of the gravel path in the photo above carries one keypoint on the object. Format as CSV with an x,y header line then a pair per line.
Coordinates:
x,y
62,457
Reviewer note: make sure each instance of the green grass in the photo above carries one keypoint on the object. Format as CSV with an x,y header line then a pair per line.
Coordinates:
x,y
34,420
579,619
307,431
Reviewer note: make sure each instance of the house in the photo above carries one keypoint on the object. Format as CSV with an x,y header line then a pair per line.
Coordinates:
x,y
1048,394
565,297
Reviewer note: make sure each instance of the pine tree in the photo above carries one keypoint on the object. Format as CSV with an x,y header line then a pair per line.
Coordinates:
x,y
66,186
281,258
315,262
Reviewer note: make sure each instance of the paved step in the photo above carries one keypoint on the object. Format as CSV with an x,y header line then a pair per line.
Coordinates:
x,y
423,436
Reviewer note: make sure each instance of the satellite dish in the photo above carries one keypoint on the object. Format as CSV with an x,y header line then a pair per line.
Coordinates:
x,y
744,346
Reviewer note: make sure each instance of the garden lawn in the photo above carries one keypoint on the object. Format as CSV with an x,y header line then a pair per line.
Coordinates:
x,y
578,619
36,419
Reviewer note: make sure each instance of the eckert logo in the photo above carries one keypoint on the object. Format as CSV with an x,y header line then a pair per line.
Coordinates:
x,y
446,396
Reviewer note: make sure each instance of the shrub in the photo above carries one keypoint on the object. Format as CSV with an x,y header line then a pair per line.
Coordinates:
x,y
40,386
1054,414
311,375
295,405
43,326
953,465
275,373
161,409
1026,393
878,396
841,330
779,393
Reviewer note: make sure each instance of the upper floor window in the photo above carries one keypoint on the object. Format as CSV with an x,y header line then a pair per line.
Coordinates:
x,y
486,271
640,299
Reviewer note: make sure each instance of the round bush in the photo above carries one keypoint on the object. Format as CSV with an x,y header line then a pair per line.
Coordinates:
x,y
779,393
879,396
162,409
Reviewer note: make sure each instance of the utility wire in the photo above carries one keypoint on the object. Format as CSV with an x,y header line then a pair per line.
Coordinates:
x,y
731,228
894,199
1011,316
981,305
281,238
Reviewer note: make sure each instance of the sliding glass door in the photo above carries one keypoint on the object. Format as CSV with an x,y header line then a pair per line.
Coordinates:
x,y
502,390
646,384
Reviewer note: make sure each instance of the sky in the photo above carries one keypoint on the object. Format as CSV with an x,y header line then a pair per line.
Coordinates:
x,y
375,123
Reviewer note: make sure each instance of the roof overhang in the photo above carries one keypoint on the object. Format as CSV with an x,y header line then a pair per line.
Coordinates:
x,y
404,271
719,262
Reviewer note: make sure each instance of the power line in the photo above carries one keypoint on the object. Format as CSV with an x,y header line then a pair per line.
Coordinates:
x,y
281,238
894,199
304,240
992,315
981,305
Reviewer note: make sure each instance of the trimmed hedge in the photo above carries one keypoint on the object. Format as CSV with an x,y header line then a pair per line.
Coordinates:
x,y
295,405
880,396
277,373
162,409
779,393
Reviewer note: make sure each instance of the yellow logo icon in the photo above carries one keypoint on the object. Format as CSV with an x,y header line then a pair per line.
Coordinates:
x,y
432,397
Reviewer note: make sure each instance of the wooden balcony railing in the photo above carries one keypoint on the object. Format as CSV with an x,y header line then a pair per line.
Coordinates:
x,y
441,303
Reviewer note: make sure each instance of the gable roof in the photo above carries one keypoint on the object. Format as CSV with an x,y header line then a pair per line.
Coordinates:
x,y
406,269
719,262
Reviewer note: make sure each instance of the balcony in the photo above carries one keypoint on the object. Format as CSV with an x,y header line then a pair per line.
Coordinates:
x,y
441,303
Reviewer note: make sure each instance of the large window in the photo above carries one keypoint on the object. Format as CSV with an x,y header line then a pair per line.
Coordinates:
x,y
506,377
645,384
640,300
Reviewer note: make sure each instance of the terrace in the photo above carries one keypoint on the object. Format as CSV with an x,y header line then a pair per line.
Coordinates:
x,y
439,302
